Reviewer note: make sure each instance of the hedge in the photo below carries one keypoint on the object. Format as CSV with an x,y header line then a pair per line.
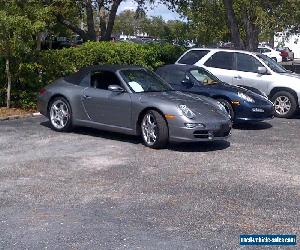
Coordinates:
x,y
41,68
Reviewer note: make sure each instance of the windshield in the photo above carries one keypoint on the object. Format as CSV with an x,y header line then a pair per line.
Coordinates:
x,y
272,64
141,80
204,76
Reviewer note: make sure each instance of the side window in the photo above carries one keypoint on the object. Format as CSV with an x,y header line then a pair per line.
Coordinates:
x,y
221,60
267,50
247,63
193,56
102,79
177,77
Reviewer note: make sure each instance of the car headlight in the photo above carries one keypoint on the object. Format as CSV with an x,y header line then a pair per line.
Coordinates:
x,y
246,97
187,112
222,107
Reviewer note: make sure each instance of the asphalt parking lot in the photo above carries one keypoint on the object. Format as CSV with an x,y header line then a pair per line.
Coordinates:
x,y
97,190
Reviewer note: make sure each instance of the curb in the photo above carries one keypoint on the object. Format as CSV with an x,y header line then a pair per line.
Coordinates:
x,y
15,117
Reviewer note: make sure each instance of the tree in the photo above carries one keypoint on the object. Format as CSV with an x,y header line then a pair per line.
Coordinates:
x,y
233,24
244,20
19,26
132,23
88,18
127,23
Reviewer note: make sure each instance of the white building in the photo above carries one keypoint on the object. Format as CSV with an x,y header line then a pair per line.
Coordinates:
x,y
284,39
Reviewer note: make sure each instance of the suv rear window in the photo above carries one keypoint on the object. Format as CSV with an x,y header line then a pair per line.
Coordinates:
x,y
193,56
221,60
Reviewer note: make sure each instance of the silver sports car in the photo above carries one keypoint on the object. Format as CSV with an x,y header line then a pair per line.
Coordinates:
x,y
132,100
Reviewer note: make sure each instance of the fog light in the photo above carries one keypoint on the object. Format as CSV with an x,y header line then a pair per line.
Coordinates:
x,y
194,125
258,110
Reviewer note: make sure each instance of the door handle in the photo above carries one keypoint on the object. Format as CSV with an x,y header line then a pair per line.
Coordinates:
x,y
86,97
237,77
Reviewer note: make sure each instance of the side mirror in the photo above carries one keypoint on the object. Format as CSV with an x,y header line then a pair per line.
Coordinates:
x,y
262,70
116,88
187,82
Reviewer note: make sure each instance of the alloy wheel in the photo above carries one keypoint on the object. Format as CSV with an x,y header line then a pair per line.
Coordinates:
x,y
149,129
59,114
282,105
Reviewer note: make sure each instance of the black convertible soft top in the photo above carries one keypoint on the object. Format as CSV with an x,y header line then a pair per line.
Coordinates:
x,y
77,77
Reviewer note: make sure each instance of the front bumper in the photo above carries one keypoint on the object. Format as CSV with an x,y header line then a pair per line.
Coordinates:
x,y
253,113
211,132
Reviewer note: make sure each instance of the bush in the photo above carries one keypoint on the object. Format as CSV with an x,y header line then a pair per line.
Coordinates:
x,y
41,68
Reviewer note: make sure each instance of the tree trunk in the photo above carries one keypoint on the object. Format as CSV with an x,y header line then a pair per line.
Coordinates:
x,y
233,25
111,20
61,19
8,76
39,41
90,21
102,15
251,41
103,24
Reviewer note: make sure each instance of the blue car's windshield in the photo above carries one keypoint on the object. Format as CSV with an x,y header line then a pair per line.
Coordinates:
x,y
272,64
141,80
203,76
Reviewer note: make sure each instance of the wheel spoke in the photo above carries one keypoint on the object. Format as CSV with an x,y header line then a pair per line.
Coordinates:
x,y
149,119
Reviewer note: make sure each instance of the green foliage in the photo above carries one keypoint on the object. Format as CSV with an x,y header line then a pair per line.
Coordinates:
x,y
20,22
44,67
208,21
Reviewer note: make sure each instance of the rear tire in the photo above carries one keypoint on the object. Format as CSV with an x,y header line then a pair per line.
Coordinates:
x,y
60,114
285,104
228,107
154,128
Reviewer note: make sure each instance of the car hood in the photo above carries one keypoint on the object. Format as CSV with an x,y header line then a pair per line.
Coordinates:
x,y
294,75
199,104
290,80
234,89
259,98
230,88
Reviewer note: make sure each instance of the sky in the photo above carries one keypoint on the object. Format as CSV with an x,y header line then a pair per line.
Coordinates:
x,y
151,10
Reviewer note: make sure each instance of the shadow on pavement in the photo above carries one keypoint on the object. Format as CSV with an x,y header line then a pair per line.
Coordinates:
x,y
199,146
101,133
252,126
183,147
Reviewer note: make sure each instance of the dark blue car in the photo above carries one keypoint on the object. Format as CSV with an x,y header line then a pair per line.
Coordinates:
x,y
242,104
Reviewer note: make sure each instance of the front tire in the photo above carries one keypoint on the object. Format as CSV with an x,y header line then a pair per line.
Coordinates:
x,y
228,107
154,128
285,104
60,114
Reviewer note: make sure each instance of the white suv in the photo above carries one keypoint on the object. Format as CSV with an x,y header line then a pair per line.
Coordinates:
x,y
250,69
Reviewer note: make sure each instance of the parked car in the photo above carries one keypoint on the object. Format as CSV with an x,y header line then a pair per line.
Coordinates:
x,y
286,53
132,100
272,53
251,69
241,104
